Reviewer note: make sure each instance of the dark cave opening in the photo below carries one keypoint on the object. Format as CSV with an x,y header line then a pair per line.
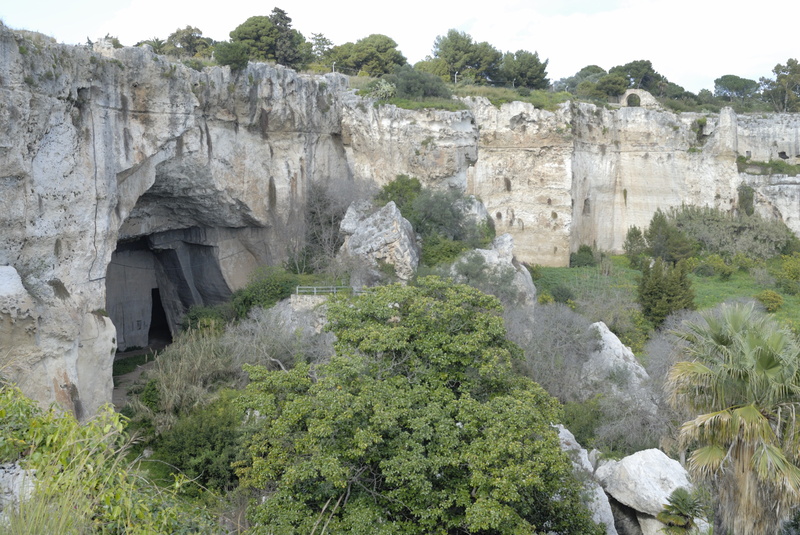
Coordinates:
x,y
159,334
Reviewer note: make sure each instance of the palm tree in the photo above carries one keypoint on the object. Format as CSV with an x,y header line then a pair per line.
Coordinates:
x,y
155,43
743,380
680,513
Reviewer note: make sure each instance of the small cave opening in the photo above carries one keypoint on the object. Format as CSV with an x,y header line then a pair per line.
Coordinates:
x,y
159,334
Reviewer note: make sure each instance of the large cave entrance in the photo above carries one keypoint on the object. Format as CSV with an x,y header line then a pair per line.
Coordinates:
x,y
153,280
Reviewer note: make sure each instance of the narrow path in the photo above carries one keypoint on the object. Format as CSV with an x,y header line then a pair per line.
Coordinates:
x,y
119,396
123,383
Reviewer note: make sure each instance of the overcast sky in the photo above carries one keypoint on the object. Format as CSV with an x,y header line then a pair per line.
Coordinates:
x,y
691,42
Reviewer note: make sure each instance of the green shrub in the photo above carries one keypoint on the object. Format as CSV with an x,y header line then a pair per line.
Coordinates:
x,y
743,262
746,196
83,483
203,317
545,298
402,190
562,294
204,444
583,419
717,266
788,274
235,54
414,84
668,241
635,247
771,300
438,249
268,285
149,396
584,257
382,89
184,376
725,234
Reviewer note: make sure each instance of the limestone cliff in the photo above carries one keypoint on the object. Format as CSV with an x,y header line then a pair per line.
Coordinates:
x,y
132,187
120,170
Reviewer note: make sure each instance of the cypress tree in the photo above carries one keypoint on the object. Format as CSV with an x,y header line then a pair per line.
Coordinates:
x,y
663,289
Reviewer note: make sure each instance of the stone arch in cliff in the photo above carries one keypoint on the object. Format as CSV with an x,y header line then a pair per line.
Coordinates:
x,y
638,98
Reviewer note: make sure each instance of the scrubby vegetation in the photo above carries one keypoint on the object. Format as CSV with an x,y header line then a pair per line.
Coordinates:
x,y
240,406
440,218
84,482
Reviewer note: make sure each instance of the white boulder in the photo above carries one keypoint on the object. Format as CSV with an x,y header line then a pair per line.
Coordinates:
x,y
643,481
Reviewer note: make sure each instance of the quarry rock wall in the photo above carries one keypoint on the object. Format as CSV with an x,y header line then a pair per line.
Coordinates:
x,y
123,173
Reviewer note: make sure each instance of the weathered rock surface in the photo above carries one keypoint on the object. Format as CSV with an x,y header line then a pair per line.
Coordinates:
x,y
382,236
596,498
202,175
613,368
435,146
523,176
116,161
501,258
643,481
16,485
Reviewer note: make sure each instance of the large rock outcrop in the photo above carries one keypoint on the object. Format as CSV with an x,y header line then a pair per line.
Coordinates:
x,y
380,237
137,187
613,369
120,159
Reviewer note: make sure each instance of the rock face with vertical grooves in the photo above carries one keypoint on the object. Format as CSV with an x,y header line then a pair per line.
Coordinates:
x,y
130,184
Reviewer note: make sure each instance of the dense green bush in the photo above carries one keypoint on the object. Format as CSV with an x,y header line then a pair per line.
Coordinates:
x,y
235,54
418,424
583,419
668,241
403,190
411,83
583,257
438,217
204,317
714,264
788,274
771,300
562,294
83,483
438,249
746,197
204,444
635,247
267,286
726,234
